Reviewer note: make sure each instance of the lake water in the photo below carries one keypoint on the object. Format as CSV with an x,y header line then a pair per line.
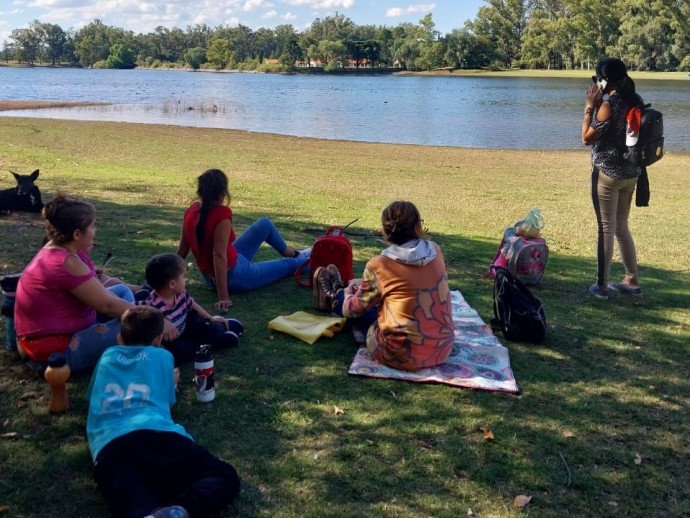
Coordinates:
x,y
514,113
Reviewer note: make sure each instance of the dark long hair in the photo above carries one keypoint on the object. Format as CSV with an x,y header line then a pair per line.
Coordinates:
x,y
212,186
616,74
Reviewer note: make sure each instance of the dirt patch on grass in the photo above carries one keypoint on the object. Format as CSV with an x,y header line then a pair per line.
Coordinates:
x,y
35,105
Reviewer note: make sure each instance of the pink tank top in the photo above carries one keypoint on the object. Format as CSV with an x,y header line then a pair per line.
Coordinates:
x,y
45,305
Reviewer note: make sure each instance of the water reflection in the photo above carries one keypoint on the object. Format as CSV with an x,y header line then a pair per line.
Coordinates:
x,y
449,111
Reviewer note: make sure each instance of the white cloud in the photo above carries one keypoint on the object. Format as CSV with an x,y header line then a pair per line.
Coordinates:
x,y
55,4
251,5
323,4
396,12
289,17
269,15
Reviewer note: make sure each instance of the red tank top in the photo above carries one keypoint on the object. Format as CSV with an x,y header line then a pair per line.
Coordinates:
x,y
204,253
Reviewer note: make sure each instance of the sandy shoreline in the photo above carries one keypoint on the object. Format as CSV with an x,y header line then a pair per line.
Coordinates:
x,y
35,105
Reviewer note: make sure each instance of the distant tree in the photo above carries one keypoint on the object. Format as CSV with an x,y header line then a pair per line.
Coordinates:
x,y
92,43
384,37
54,40
364,50
287,45
27,45
502,21
195,57
121,57
198,36
218,53
7,50
464,49
329,51
264,44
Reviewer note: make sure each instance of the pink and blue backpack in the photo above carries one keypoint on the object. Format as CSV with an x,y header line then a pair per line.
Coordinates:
x,y
524,257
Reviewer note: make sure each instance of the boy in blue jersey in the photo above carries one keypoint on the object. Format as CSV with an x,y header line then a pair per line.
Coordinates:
x,y
166,274
146,465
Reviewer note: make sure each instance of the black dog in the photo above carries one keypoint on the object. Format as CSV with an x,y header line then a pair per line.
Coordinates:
x,y
24,197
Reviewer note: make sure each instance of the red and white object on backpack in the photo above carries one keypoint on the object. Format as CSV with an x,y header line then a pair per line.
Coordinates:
x,y
331,247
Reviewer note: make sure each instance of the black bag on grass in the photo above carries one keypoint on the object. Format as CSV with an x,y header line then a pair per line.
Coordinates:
x,y
519,314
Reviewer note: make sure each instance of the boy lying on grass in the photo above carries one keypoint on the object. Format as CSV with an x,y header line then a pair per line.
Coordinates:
x,y
145,463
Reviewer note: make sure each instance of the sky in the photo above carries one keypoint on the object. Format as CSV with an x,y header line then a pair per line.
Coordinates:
x,y
143,16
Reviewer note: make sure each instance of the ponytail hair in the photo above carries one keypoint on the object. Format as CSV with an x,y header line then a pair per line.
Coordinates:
x,y
626,89
212,188
64,216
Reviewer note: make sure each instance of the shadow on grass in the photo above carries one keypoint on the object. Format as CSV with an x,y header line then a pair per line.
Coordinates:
x,y
599,430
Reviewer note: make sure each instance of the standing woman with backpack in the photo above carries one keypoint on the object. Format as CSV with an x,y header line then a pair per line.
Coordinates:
x,y
613,178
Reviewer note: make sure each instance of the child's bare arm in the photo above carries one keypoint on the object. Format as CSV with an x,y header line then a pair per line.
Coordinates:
x,y
201,311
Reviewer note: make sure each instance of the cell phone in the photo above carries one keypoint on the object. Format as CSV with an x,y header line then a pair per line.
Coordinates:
x,y
601,83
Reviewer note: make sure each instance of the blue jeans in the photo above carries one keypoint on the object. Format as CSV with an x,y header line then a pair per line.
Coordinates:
x,y
246,275
361,324
87,345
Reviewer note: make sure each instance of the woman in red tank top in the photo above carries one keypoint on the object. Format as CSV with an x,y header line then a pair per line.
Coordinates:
x,y
225,259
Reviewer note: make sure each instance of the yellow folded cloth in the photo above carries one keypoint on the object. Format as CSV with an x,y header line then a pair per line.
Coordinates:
x,y
306,326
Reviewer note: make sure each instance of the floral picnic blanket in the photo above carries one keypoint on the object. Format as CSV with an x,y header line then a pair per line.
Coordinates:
x,y
478,360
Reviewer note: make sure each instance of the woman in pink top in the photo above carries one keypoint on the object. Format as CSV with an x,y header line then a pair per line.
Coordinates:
x,y
60,294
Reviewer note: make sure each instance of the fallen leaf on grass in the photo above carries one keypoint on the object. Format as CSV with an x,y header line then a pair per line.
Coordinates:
x,y
426,444
487,433
10,435
521,501
568,434
32,395
638,459
337,410
21,403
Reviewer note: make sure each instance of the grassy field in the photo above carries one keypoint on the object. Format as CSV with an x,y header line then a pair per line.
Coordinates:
x,y
601,428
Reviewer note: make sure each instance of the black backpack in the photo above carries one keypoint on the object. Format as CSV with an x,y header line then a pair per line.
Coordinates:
x,y
650,144
519,314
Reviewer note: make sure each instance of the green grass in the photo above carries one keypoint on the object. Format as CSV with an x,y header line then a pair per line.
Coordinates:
x,y
609,383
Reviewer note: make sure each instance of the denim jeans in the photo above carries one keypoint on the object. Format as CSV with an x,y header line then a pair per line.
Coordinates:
x,y
87,345
246,275
360,325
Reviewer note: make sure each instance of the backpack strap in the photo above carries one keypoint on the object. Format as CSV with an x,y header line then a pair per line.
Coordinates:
x,y
298,275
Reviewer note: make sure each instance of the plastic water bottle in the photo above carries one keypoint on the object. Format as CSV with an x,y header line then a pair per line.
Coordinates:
x,y
203,374
57,374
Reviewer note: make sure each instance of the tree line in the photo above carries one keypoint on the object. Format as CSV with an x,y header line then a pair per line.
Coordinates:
x,y
541,34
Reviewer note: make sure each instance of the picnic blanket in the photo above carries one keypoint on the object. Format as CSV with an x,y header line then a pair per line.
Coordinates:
x,y
478,359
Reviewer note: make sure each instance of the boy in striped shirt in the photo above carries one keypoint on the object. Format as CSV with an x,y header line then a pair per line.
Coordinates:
x,y
166,274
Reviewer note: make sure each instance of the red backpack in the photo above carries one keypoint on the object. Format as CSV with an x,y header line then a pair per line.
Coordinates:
x,y
331,247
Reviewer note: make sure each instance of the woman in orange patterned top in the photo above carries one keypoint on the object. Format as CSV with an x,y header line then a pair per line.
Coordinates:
x,y
403,298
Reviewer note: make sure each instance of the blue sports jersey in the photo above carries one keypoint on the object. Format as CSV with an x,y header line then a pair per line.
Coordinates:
x,y
132,388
